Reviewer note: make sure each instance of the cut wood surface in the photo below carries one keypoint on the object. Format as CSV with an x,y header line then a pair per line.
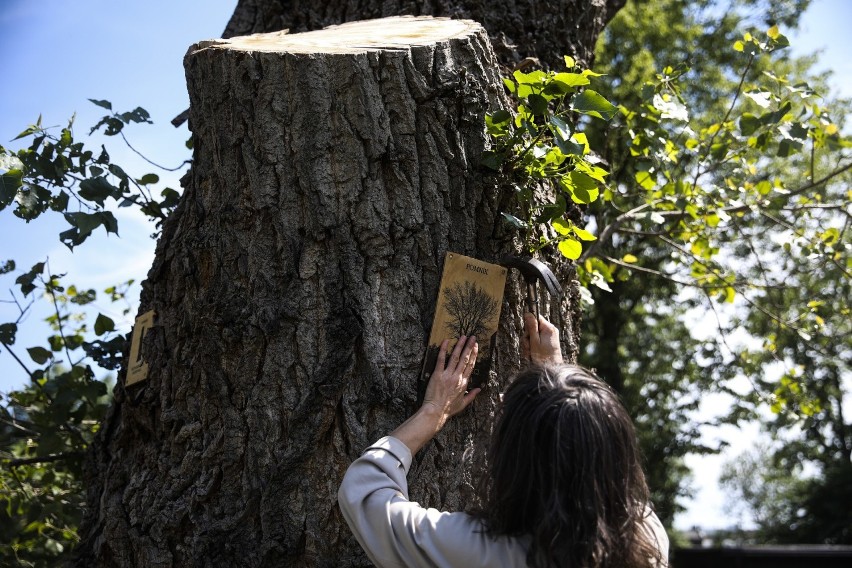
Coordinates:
x,y
400,32
294,288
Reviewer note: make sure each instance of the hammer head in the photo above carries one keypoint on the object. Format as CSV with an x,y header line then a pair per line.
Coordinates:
x,y
532,271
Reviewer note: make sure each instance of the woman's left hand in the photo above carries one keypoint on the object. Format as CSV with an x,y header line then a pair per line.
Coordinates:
x,y
446,395
447,388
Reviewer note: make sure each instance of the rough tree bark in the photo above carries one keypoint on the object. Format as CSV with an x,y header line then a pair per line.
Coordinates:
x,y
294,288
545,30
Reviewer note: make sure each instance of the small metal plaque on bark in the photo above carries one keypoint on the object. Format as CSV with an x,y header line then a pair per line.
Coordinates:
x,y
137,369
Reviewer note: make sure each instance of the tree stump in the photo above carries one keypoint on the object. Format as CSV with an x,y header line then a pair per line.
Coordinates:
x,y
294,289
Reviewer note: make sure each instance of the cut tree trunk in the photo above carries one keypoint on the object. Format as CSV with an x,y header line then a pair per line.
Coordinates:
x,y
294,289
542,29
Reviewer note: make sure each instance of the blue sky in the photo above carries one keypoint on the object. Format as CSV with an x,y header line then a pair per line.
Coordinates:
x,y
59,53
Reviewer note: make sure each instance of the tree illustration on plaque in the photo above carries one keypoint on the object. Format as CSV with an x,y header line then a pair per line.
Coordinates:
x,y
470,309
469,301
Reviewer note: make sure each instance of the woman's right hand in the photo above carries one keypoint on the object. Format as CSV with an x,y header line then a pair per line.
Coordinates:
x,y
540,342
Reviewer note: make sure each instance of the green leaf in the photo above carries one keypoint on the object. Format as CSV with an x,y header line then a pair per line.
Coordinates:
x,y
97,190
787,148
26,280
496,127
719,150
560,128
561,227
103,324
137,115
552,211
569,147
583,234
84,223
780,41
32,129
537,104
583,140
774,117
39,354
514,221
646,180
583,188
593,104
83,298
10,182
571,248
568,82
569,62
60,202
749,123
629,259
7,333
493,160
534,78
148,179
103,104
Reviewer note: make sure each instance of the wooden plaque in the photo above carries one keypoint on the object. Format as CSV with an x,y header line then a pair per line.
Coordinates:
x,y
469,301
137,369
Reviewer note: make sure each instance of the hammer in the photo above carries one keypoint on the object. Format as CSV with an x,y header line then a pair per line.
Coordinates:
x,y
533,270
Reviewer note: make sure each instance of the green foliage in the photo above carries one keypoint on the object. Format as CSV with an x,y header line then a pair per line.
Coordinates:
x,y
787,506
540,143
60,174
762,488
47,425
687,185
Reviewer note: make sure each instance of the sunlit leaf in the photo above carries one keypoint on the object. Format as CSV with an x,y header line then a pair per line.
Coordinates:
x,y
570,248
591,103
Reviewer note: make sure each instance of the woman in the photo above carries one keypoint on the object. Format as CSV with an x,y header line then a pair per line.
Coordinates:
x,y
565,487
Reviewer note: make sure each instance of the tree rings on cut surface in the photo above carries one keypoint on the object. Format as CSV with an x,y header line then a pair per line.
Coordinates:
x,y
356,37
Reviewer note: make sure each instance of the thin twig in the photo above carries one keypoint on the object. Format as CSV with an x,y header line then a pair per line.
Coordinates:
x,y
141,155
44,459
16,358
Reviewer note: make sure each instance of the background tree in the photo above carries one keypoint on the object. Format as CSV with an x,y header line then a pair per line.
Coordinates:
x,y
774,281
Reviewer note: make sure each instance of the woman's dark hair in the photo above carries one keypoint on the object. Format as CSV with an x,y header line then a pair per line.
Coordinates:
x,y
564,469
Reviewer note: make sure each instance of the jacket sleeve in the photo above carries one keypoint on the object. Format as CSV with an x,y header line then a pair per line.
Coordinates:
x,y
394,531
658,535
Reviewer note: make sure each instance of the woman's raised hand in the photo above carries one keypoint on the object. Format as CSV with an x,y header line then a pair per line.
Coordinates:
x,y
540,342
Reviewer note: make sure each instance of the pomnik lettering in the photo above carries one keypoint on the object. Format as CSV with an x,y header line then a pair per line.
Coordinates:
x,y
479,269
